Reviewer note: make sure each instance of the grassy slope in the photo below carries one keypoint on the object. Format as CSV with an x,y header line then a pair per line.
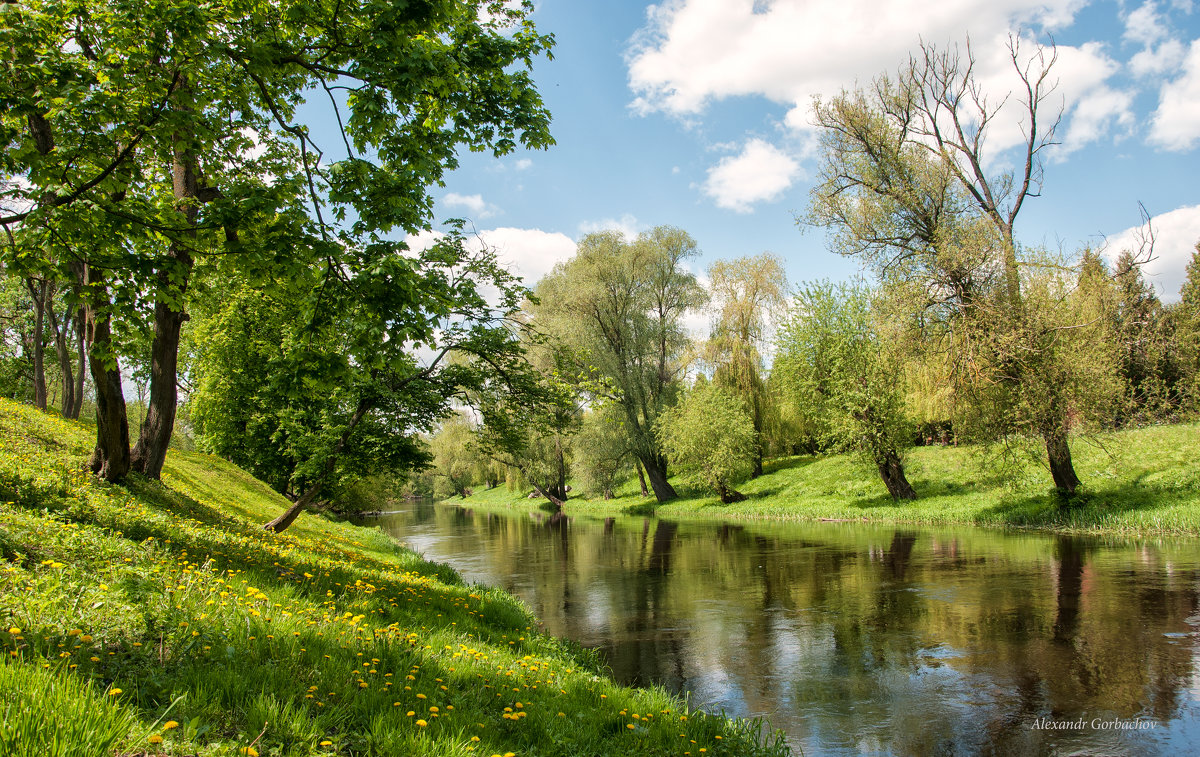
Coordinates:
x,y
160,619
1144,481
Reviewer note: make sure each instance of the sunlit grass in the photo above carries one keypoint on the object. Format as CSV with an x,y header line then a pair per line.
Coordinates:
x,y
1137,481
166,621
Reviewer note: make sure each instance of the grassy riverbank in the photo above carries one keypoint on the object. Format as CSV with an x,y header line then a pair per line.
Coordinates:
x,y
1138,481
160,619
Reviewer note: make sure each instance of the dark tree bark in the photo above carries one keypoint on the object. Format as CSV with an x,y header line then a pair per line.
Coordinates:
x,y
151,450
729,495
891,470
558,502
62,349
81,368
641,477
656,471
1058,450
39,291
110,460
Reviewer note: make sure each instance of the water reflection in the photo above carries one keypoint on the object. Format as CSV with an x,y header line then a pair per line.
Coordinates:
x,y
854,638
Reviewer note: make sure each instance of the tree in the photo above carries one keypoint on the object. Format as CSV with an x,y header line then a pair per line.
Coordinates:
x,y
845,372
602,455
745,290
337,380
905,184
616,307
710,437
1186,318
457,463
171,130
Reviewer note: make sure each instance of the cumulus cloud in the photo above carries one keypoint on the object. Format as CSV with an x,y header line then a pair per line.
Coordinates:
x,y
1176,123
1175,237
1145,25
760,172
692,52
1153,61
530,253
473,204
627,224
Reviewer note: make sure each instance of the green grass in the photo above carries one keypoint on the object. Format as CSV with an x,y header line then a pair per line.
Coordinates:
x,y
160,619
1137,481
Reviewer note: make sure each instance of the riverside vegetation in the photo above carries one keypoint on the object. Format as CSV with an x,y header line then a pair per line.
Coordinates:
x,y
1144,481
161,618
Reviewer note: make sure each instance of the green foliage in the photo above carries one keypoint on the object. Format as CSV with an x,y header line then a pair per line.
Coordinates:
x,y
456,462
616,308
602,457
843,371
710,437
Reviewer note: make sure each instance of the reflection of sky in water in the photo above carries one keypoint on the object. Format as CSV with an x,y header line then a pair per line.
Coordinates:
x,y
859,639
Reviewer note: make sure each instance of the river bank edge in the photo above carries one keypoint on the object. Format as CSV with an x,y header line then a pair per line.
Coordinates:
x,y
1137,482
161,619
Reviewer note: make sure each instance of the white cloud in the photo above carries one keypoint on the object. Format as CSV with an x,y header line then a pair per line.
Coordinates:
x,y
474,204
1175,237
1176,122
522,164
422,240
761,172
1159,60
530,253
627,224
692,52
1145,25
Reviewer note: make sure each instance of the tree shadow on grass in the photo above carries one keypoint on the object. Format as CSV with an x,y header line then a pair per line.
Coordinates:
x,y
1088,508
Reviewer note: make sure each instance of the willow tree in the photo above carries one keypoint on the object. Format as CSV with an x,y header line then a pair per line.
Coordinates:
x,y
155,139
616,308
906,183
844,371
745,291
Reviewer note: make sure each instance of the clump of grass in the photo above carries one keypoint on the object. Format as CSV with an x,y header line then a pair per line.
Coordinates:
x,y
45,713
187,629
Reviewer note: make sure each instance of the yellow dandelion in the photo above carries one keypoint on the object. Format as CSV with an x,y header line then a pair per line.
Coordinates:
x,y
155,739
248,751
170,724
113,692
422,723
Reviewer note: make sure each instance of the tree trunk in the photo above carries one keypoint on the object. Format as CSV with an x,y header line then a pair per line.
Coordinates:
x,y
758,460
891,470
641,477
1058,450
38,291
81,369
300,505
729,495
62,349
110,460
151,450
293,512
656,471
557,502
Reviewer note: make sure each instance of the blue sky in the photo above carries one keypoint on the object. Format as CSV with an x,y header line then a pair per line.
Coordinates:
x,y
695,113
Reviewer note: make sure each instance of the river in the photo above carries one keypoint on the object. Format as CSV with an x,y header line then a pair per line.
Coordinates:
x,y
855,638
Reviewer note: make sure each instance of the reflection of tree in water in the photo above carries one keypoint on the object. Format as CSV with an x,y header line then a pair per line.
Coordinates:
x,y
651,648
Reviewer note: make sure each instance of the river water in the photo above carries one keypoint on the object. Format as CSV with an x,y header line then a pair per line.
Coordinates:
x,y
861,639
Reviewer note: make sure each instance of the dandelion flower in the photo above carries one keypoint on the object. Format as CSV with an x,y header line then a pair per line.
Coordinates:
x,y
155,739
248,751
113,692
170,724
422,723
